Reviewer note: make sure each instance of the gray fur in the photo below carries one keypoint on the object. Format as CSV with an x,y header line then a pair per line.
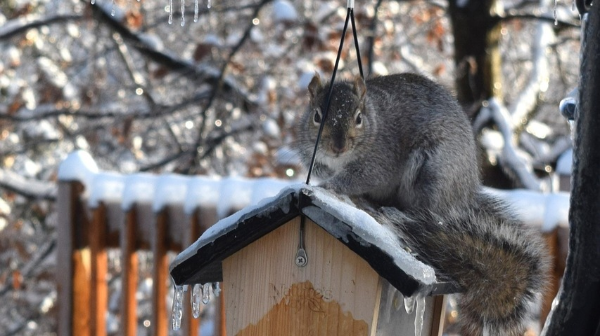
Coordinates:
x,y
413,158
415,148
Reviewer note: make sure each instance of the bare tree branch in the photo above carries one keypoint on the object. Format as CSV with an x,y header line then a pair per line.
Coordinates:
x,y
22,24
26,187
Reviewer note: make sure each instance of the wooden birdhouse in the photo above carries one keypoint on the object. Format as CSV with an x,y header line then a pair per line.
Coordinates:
x,y
307,263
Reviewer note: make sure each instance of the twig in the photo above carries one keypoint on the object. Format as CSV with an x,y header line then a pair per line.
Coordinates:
x,y
26,187
21,25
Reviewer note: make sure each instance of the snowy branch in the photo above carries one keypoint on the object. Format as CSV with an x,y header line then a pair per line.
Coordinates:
x,y
48,112
25,187
510,158
210,75
524,106
22,24
543,18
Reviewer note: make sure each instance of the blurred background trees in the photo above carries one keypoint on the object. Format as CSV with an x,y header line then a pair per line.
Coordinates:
x,y
218,96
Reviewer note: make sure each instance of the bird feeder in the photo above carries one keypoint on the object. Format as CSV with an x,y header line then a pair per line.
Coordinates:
x,y
307,262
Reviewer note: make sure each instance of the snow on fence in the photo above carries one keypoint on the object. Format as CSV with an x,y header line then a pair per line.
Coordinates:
x,y
166,213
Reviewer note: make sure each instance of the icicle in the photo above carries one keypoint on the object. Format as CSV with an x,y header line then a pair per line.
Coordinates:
x,y
196,300
112,10
409,304
216,289
195,10
170,11
206,293
182,13
177,310
419,314
208,4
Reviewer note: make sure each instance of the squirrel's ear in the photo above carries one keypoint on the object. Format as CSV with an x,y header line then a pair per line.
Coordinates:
x,y
315,85
360,87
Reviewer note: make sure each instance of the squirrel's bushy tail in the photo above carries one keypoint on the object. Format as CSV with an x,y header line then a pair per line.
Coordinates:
x,y
500,264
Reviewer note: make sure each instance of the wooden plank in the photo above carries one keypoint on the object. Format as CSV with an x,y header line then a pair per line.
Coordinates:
x,y
221,322
64,255
439,314
159,244
99,265
81,292
189,324
129,275
551,240
267,294
72,276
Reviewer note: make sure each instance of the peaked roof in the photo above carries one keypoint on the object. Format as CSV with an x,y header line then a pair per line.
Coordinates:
x,y
376,244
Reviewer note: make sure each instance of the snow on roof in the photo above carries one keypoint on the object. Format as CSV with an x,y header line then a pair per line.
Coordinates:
x,y
369,229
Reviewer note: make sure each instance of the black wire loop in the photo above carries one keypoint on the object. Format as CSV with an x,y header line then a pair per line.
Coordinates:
x,y
349,15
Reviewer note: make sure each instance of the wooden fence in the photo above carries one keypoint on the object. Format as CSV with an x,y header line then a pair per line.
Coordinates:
x,y
85,235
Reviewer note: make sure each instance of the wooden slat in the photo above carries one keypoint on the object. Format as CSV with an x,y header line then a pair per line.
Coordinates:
x,y
221,323
72,274
129,274
81,292
555,275
189,324
439,313
159,276
267,294
98,286
64,254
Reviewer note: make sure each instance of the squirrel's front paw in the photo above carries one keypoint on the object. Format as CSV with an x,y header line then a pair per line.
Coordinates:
x,y
331,187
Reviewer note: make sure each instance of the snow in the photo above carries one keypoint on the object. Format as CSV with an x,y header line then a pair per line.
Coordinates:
x,y
284,11
202,190
564,165
170,189
271,128
224,194
139,188
546,211
78,166
107,187
229,224
367,228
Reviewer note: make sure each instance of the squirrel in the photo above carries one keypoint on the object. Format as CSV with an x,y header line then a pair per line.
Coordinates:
x,y
399,140
402,146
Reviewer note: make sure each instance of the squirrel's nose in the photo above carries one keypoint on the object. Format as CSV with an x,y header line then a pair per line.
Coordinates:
x,y
338,148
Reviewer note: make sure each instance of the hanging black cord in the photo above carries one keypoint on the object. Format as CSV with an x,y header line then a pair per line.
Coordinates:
x,y
328,100
356,43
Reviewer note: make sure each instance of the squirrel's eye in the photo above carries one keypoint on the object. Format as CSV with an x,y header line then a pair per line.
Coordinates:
x,y
358,118
317,117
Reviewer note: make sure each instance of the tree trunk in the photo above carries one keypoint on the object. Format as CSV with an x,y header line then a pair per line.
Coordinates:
x,y
578,308
476,54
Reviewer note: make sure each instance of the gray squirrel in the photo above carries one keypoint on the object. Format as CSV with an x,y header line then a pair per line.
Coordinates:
x,y
402,146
